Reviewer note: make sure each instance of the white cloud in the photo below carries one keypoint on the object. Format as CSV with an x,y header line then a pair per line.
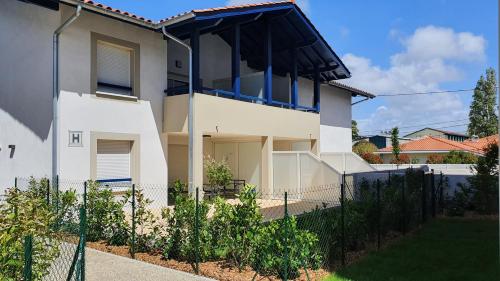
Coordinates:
x,y
303,4
430,57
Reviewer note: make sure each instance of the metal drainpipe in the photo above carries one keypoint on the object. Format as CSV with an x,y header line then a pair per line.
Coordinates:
x,y
55,89
191,188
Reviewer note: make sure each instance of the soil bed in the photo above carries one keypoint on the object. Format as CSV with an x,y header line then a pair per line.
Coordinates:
x,y
219,270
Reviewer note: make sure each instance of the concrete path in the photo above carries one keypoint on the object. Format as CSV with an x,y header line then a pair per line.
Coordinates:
x,y
102,266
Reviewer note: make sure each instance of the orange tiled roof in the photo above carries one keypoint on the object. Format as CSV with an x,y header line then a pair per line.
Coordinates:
x,y
430,143
481,143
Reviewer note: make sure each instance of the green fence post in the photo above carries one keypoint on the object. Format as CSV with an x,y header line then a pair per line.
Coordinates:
x,y
285,273
57,193
83,237
379,214
441,192
403,204
197,232
132,248
15,182
342,211
85,185
28,258
424,205
433,195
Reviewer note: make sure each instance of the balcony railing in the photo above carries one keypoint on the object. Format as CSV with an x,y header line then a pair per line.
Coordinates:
x,y
184,89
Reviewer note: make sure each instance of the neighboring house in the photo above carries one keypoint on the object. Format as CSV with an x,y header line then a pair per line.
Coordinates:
x,y
383,141
260,73
481,143
420,149
454,136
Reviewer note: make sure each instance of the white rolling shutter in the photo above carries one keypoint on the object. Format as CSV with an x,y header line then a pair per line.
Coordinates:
x,y
113,159
113,68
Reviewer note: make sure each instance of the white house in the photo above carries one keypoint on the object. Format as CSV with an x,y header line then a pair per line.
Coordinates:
x,y
111,90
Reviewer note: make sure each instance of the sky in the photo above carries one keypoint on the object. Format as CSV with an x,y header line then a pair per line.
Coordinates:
x,y
392,47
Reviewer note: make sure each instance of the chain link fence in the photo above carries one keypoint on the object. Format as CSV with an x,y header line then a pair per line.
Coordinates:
x,y
290,235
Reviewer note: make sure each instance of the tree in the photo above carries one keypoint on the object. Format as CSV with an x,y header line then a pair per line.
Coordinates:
x,y
395,142
482,115
459,157
363,147
372,158
355,130
484,183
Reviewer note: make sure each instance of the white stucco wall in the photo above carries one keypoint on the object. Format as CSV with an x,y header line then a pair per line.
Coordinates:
x,y
26,90
336,115
26,94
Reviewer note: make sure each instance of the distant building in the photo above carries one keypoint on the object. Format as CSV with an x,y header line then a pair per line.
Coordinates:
x,y
383,141
454,136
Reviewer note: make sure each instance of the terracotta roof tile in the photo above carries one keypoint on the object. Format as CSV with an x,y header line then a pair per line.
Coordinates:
x,y
430,143
481,143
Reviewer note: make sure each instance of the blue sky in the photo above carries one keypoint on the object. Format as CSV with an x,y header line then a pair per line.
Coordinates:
x,y
390,47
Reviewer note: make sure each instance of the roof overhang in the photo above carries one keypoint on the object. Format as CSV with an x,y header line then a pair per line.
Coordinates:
x,y
290,30
354,91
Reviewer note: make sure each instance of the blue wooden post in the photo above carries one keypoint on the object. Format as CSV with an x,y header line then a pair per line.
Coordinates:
x,y
268,71
195,46
293,80
235,61
317,86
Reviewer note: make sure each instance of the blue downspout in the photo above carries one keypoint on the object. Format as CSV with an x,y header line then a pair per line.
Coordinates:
x,y
268,71
195,46
235,61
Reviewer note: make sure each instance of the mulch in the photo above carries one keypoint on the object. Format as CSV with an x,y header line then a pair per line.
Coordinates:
x,y
220,270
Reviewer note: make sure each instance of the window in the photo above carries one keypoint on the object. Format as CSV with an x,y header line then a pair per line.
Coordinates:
x,y
115,66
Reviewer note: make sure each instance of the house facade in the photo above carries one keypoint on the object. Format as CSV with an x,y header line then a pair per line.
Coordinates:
x,y
114,103
453,136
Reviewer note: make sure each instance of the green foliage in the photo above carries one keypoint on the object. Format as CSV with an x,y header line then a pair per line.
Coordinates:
x,y
236,226
401,159
484,184
105,216
395,142
483,120
284,235
181,243
459,157
148,229
177,188
354,129
457,204
23,214
218,173
364,147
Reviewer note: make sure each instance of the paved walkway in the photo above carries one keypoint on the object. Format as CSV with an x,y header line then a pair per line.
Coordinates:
x,y
108,267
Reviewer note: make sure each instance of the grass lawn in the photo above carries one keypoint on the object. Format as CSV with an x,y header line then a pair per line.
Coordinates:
x,y
445,249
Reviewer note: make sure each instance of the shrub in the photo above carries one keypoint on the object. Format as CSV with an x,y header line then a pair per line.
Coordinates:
x,y
181,242
363,147
401,159
218,173
105,216
484,183
372,158
234,227
459,202
459,157
270,249
435,159
23,214
148,230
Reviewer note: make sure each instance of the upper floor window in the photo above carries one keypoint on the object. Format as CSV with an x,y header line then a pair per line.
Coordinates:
x,y
115,69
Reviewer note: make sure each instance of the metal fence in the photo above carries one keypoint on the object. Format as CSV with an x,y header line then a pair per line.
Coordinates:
x,y
290,236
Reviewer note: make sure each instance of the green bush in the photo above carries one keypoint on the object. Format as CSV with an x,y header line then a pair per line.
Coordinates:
x,y
148,235
234,228
23,214
105,216
181,242
218,173
272,250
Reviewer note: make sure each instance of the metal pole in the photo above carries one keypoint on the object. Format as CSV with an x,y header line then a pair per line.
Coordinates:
x,y
84,242
342,206
379,213
48,192
132,248
190,109
28,257
433,195
285,273
441,192
15,182
424,215
57,193
403,204
85,195
196,233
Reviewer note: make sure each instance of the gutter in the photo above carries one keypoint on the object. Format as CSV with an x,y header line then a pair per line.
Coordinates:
x,y
191,188
56,89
